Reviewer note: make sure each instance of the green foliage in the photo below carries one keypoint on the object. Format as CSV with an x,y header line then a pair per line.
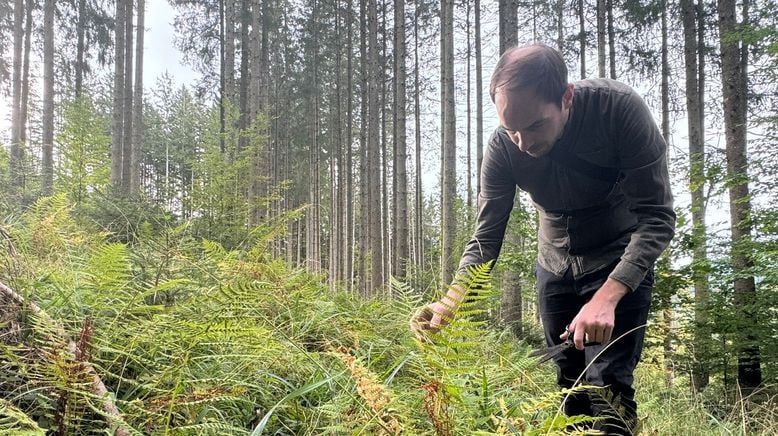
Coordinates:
x,y
193,337
85,149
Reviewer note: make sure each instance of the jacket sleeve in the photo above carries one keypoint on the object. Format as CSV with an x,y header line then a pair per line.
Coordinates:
x,y
646,183
495,202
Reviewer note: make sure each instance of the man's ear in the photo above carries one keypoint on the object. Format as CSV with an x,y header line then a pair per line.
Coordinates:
x,y
567,97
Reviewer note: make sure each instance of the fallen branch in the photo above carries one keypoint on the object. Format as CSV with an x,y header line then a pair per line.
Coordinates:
x,y
98,387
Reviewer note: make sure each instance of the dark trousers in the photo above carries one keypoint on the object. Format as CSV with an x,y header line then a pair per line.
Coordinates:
x,y
560,299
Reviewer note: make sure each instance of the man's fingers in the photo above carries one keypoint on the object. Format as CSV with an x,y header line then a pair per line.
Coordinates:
x,y
606,336
568,329
578,337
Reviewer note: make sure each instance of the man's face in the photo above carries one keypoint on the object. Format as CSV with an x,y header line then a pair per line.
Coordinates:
x,y
532,124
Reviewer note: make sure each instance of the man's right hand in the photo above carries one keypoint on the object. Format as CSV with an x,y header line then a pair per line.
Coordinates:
x,y
431,318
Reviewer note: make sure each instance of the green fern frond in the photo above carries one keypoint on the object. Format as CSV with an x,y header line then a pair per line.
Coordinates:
x,y
14,422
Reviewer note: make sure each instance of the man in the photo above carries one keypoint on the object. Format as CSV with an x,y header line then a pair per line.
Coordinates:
x,y
592,159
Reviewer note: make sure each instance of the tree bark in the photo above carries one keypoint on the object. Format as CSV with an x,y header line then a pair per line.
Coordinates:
x,y
601,30
400,221
137,108
117,125
374,152
348,241
448,185
47,163
128,97
80,47
695,116
582,37
479,100
612,39
734,77
364,216
508,24
15,169
417,128
26,78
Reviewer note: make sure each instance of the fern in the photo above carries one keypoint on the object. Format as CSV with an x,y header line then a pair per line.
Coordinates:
x,y
14,422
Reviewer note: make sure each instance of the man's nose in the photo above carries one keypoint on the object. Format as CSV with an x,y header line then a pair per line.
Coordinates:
x,y
520,140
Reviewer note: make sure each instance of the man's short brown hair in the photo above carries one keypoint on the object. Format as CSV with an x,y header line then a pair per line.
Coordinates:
x,y
536,67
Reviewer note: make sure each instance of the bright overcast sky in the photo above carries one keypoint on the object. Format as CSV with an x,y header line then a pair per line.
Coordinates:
x,y
160,55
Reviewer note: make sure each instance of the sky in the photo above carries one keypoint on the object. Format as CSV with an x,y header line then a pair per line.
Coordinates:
x,y
160,56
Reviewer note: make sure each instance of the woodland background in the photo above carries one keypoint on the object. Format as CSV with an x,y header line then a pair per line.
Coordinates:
x,y
242,255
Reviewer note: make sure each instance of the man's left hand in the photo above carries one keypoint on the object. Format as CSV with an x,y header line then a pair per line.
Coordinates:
x,y
595,320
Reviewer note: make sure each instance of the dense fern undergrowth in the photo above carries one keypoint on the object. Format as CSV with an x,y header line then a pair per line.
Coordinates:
x,y
191,338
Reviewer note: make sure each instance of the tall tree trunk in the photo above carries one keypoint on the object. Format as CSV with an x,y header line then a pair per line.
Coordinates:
x,y
255,106
127,135
385,214
348,242
601,30
374,152
313,245
15,169
230,19
25,78
468,159
364,216
117,125
612,38
511,296
137,107
337,173
448,185
582,37
695,116
400,221
244,84
734,76
479,103
47,163
508,24
80,47
417,129
560,26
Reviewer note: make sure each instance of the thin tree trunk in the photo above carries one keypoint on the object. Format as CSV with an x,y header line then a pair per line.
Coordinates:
x,y
385,214
448,184
337,173
117,125
229,50
348,242
582,37
468,159
313,247
612,39
560,26
374,152
127,135
26,77
80,47
479,103
417,129
364,218
400,221
695,116
734,77
137,108
511,296
243,119
15,169
601,30
48,98
508,24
